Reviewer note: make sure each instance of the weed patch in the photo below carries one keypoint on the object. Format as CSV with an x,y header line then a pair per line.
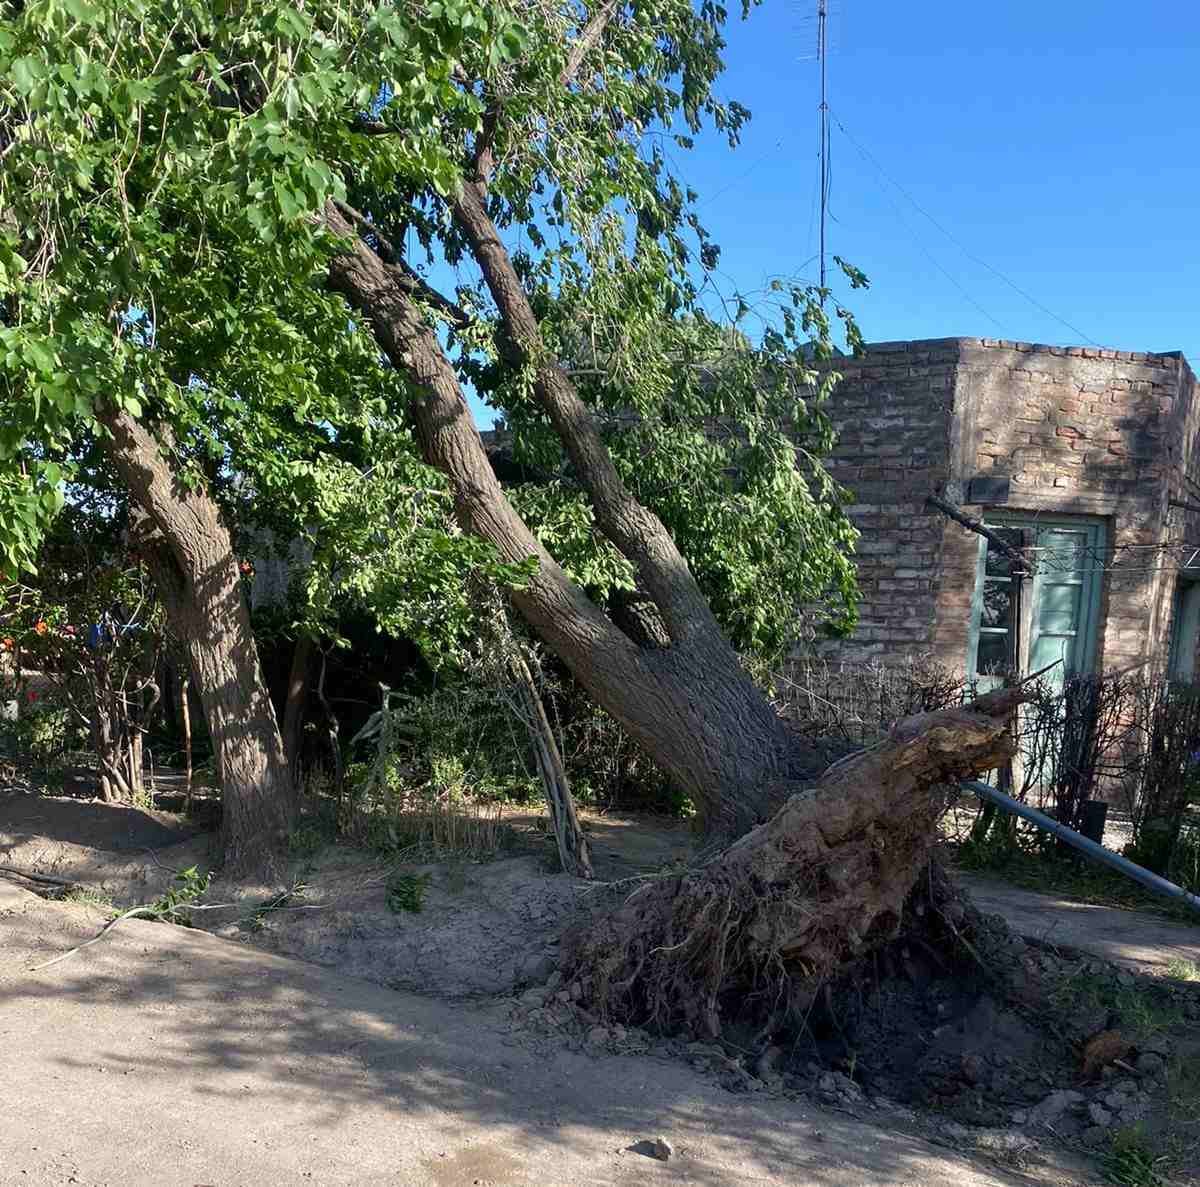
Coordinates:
x,y
406,892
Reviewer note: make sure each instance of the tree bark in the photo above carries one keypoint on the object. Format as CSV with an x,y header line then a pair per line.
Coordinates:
x,y
190,554
761,926
690,705
293,710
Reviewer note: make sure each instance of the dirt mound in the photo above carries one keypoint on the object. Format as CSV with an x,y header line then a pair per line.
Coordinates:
x,y
94,825
481,928
127,855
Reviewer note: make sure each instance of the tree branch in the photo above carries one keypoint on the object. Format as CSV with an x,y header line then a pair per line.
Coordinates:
x,y
415,284
588,40
633,528
1019,560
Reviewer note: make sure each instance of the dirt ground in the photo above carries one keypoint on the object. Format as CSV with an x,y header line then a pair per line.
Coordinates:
x,y
165,1057
925,1050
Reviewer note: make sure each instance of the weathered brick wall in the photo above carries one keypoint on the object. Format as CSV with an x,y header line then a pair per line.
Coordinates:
x,y
893,410
1078,431
1182,463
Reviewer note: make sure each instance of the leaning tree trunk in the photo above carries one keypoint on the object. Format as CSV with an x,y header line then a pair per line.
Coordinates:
x,y
690,705
189,551
783,908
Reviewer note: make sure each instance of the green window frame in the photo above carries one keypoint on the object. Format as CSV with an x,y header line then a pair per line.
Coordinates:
x,y
1058,612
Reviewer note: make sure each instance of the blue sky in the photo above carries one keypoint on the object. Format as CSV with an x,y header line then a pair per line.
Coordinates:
x,y
1053,143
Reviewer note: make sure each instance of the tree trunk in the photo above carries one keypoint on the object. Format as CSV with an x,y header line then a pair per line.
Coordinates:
x,y
760,927
691,705
293,711
188,550
110,755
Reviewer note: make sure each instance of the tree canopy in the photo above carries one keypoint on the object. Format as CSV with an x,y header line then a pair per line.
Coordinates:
x,y
163,173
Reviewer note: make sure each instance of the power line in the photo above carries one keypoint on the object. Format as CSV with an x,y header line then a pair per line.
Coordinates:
x,y
958,242
920,244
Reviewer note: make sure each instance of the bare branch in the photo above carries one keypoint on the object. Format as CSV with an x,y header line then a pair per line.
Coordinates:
x,y
1019,560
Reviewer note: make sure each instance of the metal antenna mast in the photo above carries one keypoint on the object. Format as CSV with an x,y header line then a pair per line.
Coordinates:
x,y
822,18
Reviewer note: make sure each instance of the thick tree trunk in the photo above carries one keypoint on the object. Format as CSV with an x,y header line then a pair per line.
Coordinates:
x,y
293,710
691,705
190,554
760,927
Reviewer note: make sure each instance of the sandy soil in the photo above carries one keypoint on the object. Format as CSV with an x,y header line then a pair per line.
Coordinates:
x,y
165,1056
490,931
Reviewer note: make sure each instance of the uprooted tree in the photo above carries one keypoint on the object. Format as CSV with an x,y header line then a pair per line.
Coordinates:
x,y
223,180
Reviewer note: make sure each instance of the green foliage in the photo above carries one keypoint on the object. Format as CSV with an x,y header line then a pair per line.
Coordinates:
x,y
162,173
310,837
190,886
88,896
1130,1160
406,892
41,731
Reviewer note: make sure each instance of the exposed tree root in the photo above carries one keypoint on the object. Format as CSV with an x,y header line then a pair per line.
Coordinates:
x,y
757,930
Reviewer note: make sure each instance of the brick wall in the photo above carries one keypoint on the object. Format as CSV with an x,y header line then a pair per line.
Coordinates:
x,y
1078,431
893,410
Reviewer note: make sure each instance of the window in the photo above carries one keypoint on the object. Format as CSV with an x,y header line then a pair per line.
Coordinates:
x,y
1027,624
1185,627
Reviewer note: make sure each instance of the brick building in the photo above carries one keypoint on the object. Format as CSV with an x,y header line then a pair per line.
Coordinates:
x,y
1089,458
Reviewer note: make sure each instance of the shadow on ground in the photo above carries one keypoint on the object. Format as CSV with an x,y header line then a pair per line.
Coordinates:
x,y
164,1055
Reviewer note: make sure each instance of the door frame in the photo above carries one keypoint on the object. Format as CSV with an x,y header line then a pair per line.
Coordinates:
x,y
1090,600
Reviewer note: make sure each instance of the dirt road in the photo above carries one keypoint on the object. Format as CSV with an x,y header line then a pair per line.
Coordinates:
x,y
168,1056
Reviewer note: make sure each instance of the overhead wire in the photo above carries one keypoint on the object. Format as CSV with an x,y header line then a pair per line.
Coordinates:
x,y
871,159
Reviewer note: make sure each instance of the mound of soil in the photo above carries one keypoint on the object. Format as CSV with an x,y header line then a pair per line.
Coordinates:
x,y
481,928
94,825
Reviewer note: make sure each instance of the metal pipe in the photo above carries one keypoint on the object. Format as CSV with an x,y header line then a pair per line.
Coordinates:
x,y
1085,845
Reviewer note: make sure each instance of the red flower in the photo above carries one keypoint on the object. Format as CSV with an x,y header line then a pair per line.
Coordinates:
x,y
40,626
31,695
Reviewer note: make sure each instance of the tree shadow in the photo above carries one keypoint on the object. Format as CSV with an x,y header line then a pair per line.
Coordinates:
x,y
208,1032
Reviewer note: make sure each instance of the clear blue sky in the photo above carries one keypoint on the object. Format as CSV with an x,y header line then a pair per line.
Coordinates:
x,y
1055,140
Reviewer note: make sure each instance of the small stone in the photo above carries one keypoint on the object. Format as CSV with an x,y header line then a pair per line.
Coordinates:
x,y
619,1033
972,1068
1019,1117
1099,1115
1055,1105
597,1035
1150,1064
662,1149
537,967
